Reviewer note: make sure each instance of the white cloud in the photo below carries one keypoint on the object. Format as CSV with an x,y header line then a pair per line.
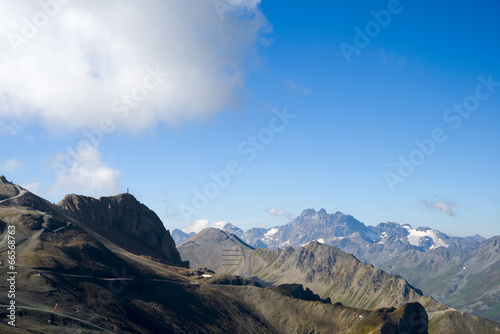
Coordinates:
x,y
10,166
441,204
68,70
86,175
279,213
200,224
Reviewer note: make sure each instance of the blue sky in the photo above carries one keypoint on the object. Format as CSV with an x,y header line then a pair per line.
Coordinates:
x,y
261,95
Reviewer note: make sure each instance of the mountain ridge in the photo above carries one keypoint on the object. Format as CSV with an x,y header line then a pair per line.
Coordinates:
x,y
336,276
209,246
388,245
132,220
73,279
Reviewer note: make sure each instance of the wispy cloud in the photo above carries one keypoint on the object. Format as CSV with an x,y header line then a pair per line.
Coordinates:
x,y
87,175
200,224
10,166
279,213
10,128
441,204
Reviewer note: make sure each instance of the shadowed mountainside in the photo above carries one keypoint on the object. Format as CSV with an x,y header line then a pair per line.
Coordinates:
x,y
334,274
126,222
470,283
73,279
427,258
340,276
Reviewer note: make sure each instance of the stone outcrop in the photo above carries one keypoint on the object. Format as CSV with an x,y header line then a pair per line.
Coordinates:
x,y
126,222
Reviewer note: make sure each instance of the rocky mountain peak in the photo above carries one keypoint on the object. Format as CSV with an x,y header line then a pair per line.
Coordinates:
x,y
218,250
179,236
411,315
214,236
233,229
307,212
7,189
211,234
125,221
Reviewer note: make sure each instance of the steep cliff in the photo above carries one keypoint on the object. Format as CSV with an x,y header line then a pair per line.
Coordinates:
x,y
126,222
332,273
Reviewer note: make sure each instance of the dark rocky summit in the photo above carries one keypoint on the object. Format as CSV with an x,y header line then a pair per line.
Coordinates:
x,y
126,222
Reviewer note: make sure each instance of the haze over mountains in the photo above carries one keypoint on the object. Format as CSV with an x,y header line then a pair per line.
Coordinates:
x,y
451,269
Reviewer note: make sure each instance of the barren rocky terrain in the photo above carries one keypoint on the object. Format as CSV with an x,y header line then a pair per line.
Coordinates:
x,y
330,273
71,278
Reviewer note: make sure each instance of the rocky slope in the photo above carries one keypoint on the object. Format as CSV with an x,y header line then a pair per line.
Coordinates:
x,y
470,283
126,222
334,274
218,250
341,277
458,322
72,279
7,190
429,259
290,315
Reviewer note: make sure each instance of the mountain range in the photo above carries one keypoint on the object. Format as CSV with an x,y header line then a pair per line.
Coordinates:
x,y
451,269
105,265
331,273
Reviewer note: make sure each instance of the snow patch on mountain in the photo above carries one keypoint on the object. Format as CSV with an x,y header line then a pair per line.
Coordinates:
x,y
373,236
415,236
271,232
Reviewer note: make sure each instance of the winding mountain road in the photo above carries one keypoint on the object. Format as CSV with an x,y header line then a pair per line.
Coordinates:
x,y
20,193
